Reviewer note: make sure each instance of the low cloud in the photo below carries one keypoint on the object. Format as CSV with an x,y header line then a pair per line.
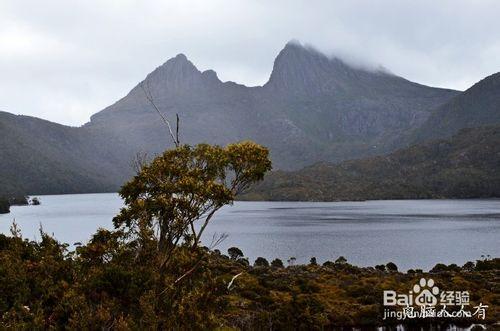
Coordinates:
x,y
64,61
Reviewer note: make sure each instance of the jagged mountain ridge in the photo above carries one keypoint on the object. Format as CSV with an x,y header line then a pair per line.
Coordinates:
x,y
312,108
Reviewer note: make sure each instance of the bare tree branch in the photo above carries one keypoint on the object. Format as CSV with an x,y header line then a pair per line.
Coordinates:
x,y
207,220
232,280
177,129
217,239
139,161
149,96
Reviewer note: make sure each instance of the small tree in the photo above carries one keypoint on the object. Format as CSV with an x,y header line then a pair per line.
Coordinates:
x,y
440,267
392,267
313,261
329,264
341,260
244,261
277,263
261,262
235,253
469,266
185,186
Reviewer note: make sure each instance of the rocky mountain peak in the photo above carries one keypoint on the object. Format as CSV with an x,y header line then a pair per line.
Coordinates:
x,y
178,67
299,68
177,75
210,76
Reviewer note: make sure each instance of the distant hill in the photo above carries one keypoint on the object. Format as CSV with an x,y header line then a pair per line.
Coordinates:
x,y
464,166
40,157
477,106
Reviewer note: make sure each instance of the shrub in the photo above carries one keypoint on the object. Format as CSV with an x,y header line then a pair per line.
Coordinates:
x,y
391,266
277,263
235,253
261,262
341,260
440,267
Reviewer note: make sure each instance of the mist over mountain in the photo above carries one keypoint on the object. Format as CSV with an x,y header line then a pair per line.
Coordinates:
x,y
314,108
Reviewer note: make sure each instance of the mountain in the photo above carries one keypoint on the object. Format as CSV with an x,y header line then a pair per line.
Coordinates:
x,y
477,106
40,157
313,108
464,166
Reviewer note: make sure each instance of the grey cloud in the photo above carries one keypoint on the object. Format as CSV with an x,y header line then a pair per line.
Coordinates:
x,y
64,61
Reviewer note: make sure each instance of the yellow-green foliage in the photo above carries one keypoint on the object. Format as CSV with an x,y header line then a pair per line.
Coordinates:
x,y
113,282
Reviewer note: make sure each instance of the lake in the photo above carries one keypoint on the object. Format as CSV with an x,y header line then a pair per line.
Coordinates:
x,y
410,233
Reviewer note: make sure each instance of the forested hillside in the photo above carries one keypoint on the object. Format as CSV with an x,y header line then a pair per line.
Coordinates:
x,y
477,106
464,166
40,157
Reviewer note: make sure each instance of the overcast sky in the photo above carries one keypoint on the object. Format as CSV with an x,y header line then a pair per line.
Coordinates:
x,y
65,60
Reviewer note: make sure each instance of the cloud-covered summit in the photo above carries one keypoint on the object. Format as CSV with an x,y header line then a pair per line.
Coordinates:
x,y
76,58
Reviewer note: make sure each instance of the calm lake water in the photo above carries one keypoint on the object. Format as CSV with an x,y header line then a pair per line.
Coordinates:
x,y
411,233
